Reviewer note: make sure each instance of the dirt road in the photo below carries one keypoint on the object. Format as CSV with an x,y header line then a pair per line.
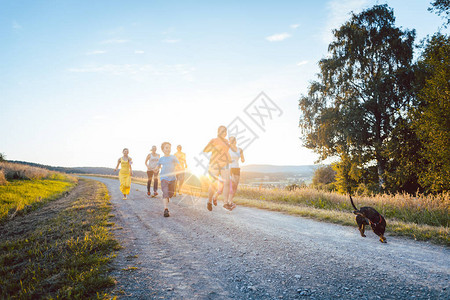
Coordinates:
x,y
257,254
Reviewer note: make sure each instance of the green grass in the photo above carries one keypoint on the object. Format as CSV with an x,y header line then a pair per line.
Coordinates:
x,y
24,195
64,255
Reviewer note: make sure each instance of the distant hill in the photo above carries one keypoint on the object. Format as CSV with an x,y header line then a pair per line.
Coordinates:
x,y
306,169
79,170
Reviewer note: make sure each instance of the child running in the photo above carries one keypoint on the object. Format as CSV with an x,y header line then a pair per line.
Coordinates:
x,y
180,169
152,171
167,175
125,173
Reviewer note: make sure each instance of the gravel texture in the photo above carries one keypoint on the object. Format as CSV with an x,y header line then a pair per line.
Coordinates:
x,y
255,254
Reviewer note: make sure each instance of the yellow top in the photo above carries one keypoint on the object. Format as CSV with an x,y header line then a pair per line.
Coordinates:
x,y
124,165
182,159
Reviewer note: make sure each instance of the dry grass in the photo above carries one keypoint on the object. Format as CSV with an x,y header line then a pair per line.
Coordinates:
x,y
13,171
430,210
3,180
437,234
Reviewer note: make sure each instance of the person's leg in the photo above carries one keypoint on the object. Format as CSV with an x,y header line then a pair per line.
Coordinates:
x,y
213,180
225,174
149,181
180,181
155,182
234,185
165,190
177,182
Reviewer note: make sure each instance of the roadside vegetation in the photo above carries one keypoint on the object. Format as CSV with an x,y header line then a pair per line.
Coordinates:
x,y
60,251
24,188
422,217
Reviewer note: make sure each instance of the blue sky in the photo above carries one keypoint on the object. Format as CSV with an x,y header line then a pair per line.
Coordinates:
x,y
80,80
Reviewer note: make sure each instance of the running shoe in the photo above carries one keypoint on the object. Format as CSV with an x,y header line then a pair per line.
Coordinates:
x,y
209,206
155,194
148,193
215,199
166,213
227,206
232,206
124,197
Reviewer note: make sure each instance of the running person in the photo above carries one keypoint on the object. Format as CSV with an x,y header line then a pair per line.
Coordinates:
x,y
218,166
235,171
125,173
152,171
168,163
180,169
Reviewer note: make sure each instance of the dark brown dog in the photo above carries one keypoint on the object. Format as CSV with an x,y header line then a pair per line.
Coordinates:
x,y
368,215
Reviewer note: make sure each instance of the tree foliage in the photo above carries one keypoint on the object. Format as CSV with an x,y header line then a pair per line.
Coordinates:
x,y
431,114
324,175
362,93
441,7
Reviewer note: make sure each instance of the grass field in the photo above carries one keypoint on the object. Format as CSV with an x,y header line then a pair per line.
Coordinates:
x,y
20,196
420,217
60,251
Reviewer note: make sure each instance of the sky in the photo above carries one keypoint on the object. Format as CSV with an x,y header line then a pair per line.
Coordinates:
x,y
81,80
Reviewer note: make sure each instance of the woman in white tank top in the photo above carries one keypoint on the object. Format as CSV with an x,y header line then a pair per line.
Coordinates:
x,y
235,171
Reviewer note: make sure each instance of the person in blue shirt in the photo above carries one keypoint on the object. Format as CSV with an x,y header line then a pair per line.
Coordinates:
x,y
167,175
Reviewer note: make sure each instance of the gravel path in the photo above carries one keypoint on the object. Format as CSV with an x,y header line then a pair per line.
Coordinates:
x,y
256,254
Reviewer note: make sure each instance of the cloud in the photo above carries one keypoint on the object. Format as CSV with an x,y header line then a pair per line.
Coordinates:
x,y
140,72
294,26
16,25
278,37
114,41
139,51
303,62
95,52
338,14
171,41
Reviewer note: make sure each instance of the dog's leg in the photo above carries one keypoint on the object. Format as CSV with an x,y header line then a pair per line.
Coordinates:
x,y
362,229
360,222
383,239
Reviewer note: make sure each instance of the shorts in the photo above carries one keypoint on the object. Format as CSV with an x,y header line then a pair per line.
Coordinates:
x,y
168,188
215,170
235,171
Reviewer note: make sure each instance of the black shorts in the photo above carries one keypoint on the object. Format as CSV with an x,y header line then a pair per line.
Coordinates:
x,y
236,171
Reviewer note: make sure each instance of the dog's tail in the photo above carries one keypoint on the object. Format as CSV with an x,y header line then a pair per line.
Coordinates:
x,y
351,200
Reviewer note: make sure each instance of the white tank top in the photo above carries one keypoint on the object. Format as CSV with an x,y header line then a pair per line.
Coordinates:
x,y
235,158
152,162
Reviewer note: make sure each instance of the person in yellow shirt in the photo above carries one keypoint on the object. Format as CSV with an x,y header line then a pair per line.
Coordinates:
x,y
180,169
125,172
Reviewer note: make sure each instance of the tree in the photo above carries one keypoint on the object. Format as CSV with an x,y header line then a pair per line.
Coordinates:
x,y
441,7
2,157
431,116
324,175
363,90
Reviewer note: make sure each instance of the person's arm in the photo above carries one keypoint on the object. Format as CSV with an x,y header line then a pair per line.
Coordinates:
x,y
131,170
208,147
147,159
118,163
242,155
185,164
